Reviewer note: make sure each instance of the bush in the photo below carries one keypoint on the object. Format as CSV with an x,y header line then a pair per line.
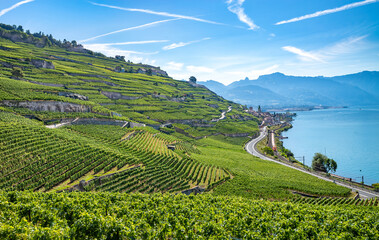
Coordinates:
x,y
268,151
17,73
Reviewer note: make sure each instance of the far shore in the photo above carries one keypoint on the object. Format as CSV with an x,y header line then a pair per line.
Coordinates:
x,y
300,109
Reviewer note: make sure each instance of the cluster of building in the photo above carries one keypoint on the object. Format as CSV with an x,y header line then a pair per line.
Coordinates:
x,y
271,119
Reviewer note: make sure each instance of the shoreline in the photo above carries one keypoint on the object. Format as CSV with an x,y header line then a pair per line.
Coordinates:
x,y
303,109
250,147
332,175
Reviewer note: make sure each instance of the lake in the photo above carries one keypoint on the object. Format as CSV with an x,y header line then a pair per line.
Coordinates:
x,y
348,135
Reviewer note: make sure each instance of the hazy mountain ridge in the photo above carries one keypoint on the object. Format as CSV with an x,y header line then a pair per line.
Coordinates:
x,y
280,90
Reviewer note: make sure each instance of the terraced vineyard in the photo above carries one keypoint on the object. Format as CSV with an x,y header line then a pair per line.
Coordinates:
x,y
374,202
156,216
34,157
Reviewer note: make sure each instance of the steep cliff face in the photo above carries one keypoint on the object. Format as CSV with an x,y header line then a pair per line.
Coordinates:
x,y
50,106
42,64
24,38
116,96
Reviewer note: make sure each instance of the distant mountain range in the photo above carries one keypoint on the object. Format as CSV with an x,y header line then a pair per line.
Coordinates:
x,y
279,90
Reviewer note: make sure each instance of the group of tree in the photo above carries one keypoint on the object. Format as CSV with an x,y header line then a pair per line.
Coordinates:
x,y
48,39
323,164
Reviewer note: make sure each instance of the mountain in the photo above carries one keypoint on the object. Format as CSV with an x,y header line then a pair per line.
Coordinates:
x,y
367,81
291,91
255,95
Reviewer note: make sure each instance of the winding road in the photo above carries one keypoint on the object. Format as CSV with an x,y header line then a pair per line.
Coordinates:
x,y
251,148
223,114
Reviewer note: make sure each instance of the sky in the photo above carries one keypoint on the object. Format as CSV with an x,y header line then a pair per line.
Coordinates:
x,y
221,40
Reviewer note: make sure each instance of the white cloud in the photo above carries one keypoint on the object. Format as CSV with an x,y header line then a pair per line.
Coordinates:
x,y
174,66
305,56
235,6
112,51
328,11
199,69
345,46
157,13
182,44
4,11
128,29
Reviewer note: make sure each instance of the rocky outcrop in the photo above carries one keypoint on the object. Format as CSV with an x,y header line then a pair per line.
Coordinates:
x,y
73,96
178,99
22,37
116,96
197,85
158,72
42,64
213,105
50,106
133,124
100,81
97,121
47,84
87,75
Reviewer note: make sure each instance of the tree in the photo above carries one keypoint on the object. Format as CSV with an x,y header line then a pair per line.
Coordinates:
x,y
268,151
322,163
149,72
20,28
17,72
192,79
259,109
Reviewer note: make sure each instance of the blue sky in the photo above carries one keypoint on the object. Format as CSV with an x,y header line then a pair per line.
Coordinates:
x,y
222,40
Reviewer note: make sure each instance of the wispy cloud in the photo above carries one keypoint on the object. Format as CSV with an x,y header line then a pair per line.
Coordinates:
x,y
4,11
128,29
322,55
235,6
127,43
166,14
345,46
328,11
304,55
182,44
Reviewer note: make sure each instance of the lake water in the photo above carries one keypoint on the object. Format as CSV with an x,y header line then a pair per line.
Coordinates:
x,y
350,136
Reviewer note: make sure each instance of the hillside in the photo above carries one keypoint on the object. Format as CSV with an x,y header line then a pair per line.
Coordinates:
x,y
292,91
73,120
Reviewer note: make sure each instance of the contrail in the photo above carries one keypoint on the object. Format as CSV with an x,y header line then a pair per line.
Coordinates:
x,y
328,11
4,11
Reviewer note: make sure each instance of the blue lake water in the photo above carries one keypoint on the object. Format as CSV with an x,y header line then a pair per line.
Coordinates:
x,y
350,136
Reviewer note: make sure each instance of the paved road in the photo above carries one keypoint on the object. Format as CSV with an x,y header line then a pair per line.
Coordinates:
x,y
61,124
251,148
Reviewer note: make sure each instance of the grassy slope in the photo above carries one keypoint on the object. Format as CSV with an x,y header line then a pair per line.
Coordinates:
x,y
256,178
252,177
